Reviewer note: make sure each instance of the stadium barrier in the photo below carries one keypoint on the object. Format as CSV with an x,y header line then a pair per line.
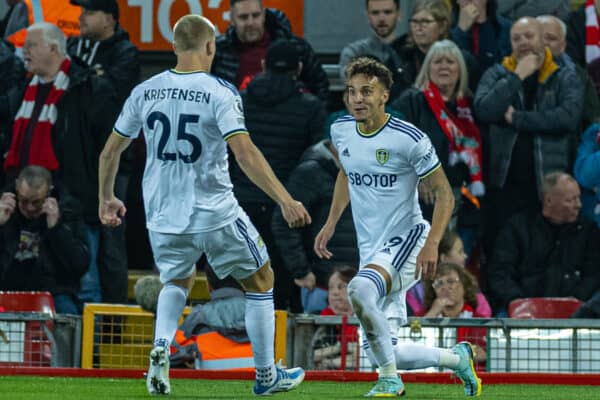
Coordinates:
x,y
34,339
507,345
199,292
120,336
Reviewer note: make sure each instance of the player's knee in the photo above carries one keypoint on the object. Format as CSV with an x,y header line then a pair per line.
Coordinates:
x,y
355,287
178,286
260,281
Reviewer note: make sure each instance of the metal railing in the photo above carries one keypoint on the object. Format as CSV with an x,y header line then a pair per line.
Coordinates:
x,y
508,345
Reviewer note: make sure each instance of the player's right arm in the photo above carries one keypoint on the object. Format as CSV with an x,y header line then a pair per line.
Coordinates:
x,y
341,198
255,166
127,127
110,208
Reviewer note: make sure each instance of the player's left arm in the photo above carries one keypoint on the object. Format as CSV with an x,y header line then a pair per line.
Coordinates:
x,y
438,184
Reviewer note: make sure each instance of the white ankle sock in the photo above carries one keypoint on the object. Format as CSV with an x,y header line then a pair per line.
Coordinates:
x,y
171,302
260,325
448,359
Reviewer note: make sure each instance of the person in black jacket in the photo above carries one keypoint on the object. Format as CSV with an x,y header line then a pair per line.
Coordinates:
x,y
552,253
283,121
42,239
68,138
105,47
12,78
312,182
244,44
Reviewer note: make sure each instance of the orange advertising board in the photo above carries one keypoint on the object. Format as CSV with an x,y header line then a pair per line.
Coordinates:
x,y
149,22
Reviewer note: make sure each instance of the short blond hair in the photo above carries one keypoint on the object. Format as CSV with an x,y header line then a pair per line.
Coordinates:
x,y
191,32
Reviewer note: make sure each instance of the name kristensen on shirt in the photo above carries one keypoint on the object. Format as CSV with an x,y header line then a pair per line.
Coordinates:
x,y
176,94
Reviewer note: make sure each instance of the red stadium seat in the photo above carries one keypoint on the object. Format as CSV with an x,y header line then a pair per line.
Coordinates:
x,y
543,307
37,346
42,302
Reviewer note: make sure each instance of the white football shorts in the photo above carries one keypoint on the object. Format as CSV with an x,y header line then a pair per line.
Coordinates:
x,y
235,249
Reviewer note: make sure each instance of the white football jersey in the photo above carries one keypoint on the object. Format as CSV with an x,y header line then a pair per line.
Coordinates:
x,y
186,118
383,170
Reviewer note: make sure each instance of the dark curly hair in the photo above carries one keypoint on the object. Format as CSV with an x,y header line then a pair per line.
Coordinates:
x,y
471,288
371,68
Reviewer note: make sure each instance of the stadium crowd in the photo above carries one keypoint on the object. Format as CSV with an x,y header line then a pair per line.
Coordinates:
x,y
509,96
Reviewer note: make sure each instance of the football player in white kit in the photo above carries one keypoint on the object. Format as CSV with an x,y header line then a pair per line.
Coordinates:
x,y
383,159
189,117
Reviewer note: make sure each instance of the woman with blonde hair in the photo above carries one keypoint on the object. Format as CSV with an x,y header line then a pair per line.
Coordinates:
x,y
440,104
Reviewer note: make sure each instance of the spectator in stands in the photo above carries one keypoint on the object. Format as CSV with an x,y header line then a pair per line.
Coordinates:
x,y
516,9
331,342
532,106
430,21
312,183
16,18
554,36
105,47
583,34
62,123
42,239
552,253
450,250
12,74
283,121
481,32
383,16
241,49
587,172
452,293
441,105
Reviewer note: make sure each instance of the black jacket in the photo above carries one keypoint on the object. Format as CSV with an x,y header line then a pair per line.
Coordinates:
x,y
227,62
86,115
12,85
532,258
312,183
413,105
63,253
552,122
115,59
283,121
576,36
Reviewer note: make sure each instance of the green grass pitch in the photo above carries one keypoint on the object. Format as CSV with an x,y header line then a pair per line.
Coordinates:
x,y
21,387
26,387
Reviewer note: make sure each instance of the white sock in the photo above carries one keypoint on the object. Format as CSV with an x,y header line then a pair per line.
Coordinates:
x,y
260,325
448,359
364,290
416,356
171,302
410,356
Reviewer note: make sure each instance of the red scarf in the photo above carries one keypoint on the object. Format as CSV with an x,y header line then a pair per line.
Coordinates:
x,y
41,151
462,133
592,32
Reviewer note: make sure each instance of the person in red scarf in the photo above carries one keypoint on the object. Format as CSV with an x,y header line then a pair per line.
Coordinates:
x,y
62,123
440,105
452,293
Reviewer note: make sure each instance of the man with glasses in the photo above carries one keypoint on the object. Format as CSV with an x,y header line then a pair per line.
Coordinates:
x,y
42,239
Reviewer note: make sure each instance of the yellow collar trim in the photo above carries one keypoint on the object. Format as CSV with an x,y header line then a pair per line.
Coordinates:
x,y
546,70
375,131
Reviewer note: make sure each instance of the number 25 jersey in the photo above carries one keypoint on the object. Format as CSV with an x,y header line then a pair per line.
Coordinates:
x,y
186,119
